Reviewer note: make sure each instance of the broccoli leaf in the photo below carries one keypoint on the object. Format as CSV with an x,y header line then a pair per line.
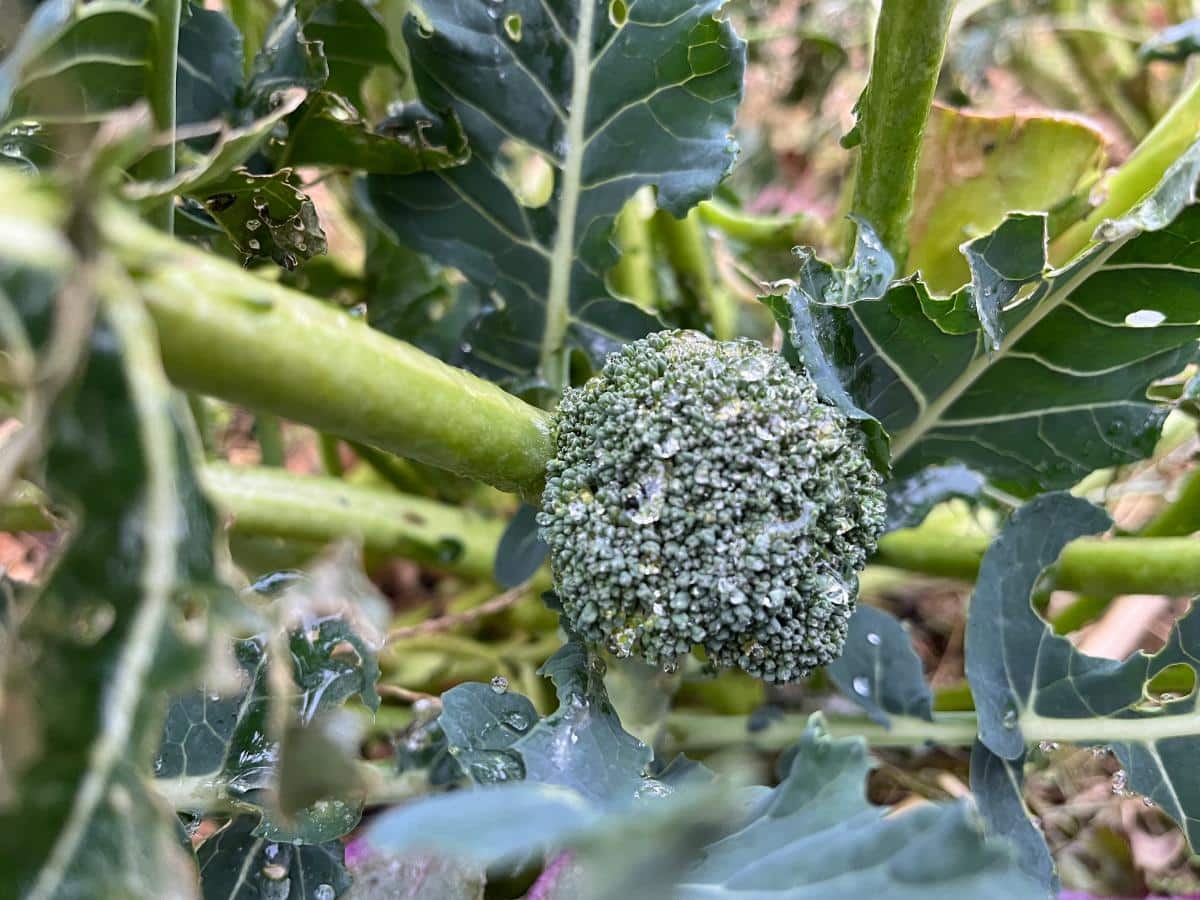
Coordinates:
x,y
911,499
607,97
1173,44
107,636
266,216
1028,681
220,740
209,73
496,736
236,864
974,169
879,670
521,551
996,786
1083,343
813,836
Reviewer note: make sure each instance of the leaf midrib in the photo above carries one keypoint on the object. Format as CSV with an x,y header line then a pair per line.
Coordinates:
x,y
562,256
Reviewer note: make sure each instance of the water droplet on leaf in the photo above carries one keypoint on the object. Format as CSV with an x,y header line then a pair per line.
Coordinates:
x,y
499,684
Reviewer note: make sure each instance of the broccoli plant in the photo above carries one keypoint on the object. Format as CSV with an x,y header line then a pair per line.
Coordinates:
x,y
426,472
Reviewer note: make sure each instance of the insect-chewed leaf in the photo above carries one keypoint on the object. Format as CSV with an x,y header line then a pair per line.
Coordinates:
x,y
974,169
599,96
1025,678
1033,380
812,835
879,670
222,739
266,216
236,864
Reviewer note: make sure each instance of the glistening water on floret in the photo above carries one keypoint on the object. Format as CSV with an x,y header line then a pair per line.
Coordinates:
x,y
702,494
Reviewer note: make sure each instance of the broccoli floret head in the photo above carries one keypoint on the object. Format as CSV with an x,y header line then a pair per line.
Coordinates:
x,y
702,493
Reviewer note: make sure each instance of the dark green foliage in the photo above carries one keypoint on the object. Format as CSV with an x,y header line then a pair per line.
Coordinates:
x,y
702,494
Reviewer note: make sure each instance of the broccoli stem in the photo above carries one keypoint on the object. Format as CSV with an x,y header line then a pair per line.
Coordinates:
x,y
1174,133
910,41
318,510
231,334
1134,565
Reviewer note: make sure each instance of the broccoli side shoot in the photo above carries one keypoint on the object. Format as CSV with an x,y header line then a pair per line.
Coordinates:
x,y
702,494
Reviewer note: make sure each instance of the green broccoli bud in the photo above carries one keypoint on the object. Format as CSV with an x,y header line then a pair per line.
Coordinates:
x,y
702,494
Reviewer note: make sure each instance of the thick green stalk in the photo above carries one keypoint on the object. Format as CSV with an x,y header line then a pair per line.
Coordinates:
x,y
228,333
1174,133
910,41
1164,565
318,510
160,164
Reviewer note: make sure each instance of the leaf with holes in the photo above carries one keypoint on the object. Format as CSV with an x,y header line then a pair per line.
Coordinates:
x,y
1083,343
599,96
1031,684
218,744
266,216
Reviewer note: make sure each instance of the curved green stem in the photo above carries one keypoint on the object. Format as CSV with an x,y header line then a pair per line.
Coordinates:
x,y
317,509
686,248
910,41
226,332
1173,134
1182,515
1138,565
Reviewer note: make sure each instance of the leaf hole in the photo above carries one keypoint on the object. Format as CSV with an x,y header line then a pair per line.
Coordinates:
x,y
528,173
1145,318
512,27
1175,682
618,13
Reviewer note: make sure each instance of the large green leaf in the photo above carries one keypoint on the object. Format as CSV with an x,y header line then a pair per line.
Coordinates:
x,y
209,65
217,745
75,65
1031,684
609,96
813,836
98,63
816,836
1033,390
106,637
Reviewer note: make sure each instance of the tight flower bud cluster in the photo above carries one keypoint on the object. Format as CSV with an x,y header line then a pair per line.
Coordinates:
x,y
703,495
